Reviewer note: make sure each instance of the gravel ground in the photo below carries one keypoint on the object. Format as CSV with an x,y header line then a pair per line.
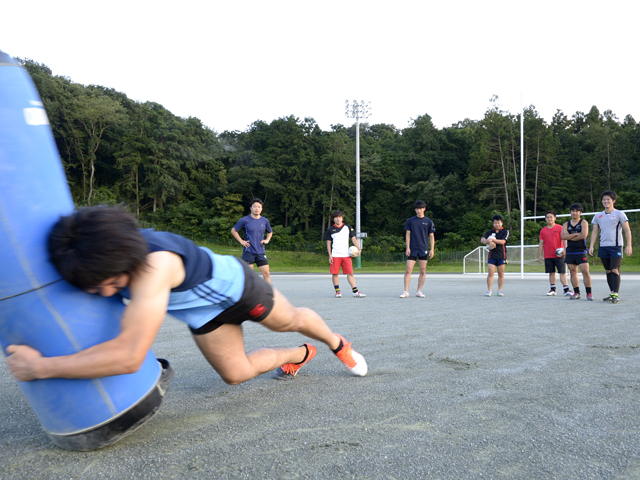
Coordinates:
x,y
459,386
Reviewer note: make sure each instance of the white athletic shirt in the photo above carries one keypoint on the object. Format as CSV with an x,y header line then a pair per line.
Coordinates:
x,y
610,225
339,237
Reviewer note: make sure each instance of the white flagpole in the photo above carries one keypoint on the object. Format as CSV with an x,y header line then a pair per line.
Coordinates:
x,y
522,207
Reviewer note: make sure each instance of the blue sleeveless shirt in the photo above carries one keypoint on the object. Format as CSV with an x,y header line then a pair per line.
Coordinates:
x,y
198,267
212,282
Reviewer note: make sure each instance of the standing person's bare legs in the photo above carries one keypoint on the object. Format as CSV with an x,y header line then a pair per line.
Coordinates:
x,y
423,274
563,279
266,274
407,274
500,277
586,276
491,271
335,278
573,273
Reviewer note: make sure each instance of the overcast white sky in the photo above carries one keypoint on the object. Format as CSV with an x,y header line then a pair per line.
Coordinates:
x,y
231,63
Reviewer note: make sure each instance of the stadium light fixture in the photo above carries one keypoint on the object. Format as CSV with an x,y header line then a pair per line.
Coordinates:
x,y
360,111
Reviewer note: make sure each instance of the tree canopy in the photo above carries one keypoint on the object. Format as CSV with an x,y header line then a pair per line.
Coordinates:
x,y
177,172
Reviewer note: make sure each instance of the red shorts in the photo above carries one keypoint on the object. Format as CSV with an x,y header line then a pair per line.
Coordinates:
x,y
347,266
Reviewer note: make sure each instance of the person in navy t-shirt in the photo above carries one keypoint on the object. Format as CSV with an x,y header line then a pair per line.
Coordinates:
x,y
254,241
419,235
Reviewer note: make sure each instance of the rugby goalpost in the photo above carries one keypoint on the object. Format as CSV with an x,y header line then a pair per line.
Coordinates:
x,y
480,254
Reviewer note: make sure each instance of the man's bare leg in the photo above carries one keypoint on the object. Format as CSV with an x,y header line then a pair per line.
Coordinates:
x,y
500,277
491,271
423,274
266,274
407,274
224,347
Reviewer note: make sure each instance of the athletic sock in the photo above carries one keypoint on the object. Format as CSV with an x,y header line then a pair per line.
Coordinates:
x,y
565,288
354,289
576,290
553,287
610,281
336,288
588,289
305,355
615,282
339,347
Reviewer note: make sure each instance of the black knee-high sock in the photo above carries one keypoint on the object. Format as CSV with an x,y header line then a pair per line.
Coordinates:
x,y
610,281
615,282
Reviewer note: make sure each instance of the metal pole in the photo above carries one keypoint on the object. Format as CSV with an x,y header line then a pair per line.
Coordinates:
x,y
358,259
522,206
358,110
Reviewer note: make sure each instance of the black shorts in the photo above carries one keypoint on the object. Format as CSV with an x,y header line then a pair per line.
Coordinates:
x,y
260,259
418,257
553,264
255,304
611,263
576,259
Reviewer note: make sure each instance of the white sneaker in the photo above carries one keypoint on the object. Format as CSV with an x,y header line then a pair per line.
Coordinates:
x,y
404,295
551,293
500,294
419,294
359,294
338,295
568,293
488,294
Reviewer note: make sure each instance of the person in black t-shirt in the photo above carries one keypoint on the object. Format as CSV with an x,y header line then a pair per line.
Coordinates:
x,y
496,241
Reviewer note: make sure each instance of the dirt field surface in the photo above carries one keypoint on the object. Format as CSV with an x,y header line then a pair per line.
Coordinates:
x,y
459,386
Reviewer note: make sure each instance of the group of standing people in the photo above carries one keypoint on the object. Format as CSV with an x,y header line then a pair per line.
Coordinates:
x,y
560,247
566,245
419,237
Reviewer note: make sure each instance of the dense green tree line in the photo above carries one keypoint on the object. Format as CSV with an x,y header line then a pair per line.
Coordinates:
x,y
177,172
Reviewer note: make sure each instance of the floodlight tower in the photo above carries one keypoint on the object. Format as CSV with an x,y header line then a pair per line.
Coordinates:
x,y
358,110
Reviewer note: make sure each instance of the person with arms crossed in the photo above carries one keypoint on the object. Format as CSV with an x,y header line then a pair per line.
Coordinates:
x,y
337,237
496,240
254,226
419,237
101,250
575,232
610,224
550,241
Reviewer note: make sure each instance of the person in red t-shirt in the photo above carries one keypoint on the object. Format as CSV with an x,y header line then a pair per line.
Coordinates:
x,y
550,241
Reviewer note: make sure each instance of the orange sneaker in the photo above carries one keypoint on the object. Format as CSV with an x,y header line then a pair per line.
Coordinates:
x,y
352,359
289,370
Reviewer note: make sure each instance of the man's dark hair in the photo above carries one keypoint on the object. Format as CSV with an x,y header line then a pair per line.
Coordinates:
x,y
336,213
550,212
96,243
609,193
576,206
255,200
497,217
419,204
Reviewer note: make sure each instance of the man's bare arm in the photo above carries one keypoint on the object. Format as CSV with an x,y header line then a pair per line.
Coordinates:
x,y
140,323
